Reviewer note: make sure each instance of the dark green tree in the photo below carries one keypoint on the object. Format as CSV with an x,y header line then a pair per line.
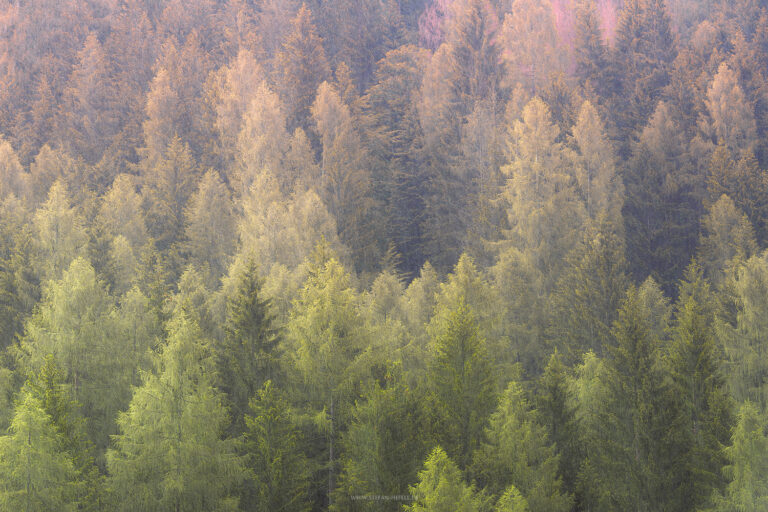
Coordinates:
x,y
247,356
462,384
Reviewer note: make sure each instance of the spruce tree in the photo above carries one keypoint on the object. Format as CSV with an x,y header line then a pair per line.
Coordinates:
x,y
247,356
461,381
518,452
697,394
279,471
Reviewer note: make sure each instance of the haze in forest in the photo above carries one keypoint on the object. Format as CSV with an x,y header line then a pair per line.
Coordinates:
x,y
384,255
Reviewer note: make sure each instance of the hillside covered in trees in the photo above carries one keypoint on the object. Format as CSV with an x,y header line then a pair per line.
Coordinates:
x,y
384,255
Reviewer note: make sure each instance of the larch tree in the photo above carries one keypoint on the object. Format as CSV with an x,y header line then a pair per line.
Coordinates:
x,y
262,141
76,322
210,226
170,454
60,232
36,473
543,210
441,487
531,44
301,66
747,470
328,341
745,368
345,180
727,239
731,117
596,168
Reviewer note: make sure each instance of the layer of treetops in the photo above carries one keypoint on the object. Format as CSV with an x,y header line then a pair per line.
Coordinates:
x,y
384,255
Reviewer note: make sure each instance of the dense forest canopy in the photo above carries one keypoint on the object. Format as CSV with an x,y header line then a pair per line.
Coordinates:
x,y
380,255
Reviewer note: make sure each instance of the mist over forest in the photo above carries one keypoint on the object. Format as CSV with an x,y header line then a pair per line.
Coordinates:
x,y
384,255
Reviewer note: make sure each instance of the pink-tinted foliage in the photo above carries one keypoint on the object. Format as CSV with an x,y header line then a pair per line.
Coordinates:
x,y
432,23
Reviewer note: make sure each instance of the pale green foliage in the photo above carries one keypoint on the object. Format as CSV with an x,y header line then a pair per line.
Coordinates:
x,y
727,239
210,226
13,179
263,140
732,117
326,331
124,264
76,321
441,487
170,454
543,209
120,212
344,180
518,453
748,468
279,229
595,167
744,342
35,472
230,92
531,43
60,232
512,501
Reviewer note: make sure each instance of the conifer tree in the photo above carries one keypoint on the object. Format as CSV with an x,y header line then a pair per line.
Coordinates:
x,y
280,471
518,453
301,67
170,454
441,487
210,226
384,447
556,406
36,472
697,395
461,382
247,356
747,470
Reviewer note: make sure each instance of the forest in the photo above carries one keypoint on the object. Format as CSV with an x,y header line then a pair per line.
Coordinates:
x,y
384,255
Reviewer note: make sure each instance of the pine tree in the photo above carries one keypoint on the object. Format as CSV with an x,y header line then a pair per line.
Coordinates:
x,y
280,470
170,454
518,453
